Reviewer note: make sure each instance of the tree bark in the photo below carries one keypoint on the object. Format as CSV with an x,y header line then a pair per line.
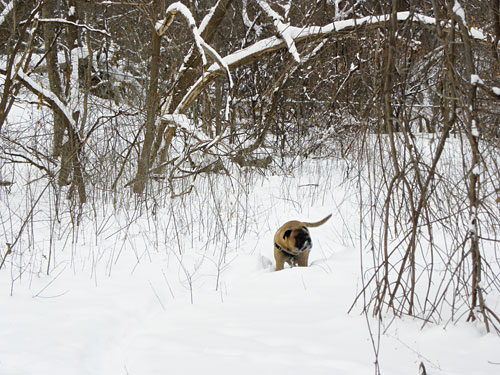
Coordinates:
x,y
189,75
152,101
49,39
495,16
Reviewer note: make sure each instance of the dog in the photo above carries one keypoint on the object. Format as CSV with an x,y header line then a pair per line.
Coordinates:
x,y
292,243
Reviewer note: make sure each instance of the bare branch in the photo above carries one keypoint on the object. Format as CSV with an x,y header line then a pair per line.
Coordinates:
x,y
66,22
298,35
47,95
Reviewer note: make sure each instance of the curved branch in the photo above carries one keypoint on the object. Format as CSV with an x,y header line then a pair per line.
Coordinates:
x,y
172,10
66,22
298,35
48,96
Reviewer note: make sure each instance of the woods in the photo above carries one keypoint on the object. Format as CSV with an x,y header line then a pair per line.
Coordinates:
x,y
140,98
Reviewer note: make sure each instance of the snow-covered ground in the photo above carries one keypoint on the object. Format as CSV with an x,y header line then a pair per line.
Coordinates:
x,y
132,293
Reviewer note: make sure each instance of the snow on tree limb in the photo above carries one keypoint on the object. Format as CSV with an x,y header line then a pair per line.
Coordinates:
x,y
177,7
207,18
459,11
74,81
298,34
66,22
6,11
494,92
46,94
212,52
347,9
205,29
246,20
269,11
284,29
172,10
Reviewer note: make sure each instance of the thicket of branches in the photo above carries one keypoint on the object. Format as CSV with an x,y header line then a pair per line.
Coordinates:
x,y
147,95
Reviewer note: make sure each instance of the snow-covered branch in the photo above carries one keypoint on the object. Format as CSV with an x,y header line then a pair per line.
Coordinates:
x,y
172,10
475,80
6,11
459,12
47,95
298,34
222,64
247,22
201,29
162,26
348,8
204,22
284,29
66,22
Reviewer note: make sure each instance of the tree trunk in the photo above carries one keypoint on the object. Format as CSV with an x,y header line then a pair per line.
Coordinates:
x,y
144,162
189,75
49,39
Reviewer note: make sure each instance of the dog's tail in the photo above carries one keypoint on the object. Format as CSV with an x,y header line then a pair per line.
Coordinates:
x,y
318,223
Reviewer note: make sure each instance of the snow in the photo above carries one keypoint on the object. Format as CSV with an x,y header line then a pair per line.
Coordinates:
x,y
496,90
199,43
219,60
227,109
160,27
177,7
5,12
184,10
181,121
126,300
474,129
475,79
173,9
247,22
284,29
269,11
473,31
65,21
472,222
74,80
186,13
287,35
124,297
346,10
459,11
293,33
204,22
290,34
49,95
255,48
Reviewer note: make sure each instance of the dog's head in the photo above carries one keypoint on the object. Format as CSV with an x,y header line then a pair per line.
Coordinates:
x,y
294,238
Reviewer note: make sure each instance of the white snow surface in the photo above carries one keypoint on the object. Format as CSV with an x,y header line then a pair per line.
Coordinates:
x,y
119,301
124,300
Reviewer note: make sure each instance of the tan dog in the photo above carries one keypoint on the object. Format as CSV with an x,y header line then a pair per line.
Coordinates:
x,y
292,243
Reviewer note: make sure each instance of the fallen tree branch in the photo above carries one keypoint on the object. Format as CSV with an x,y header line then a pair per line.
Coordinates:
x,y
299,35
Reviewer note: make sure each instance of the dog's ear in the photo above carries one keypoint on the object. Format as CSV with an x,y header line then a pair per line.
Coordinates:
x,y
287,233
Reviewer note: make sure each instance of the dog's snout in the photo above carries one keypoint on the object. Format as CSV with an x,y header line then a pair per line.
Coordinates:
x,y
303,241
307,244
